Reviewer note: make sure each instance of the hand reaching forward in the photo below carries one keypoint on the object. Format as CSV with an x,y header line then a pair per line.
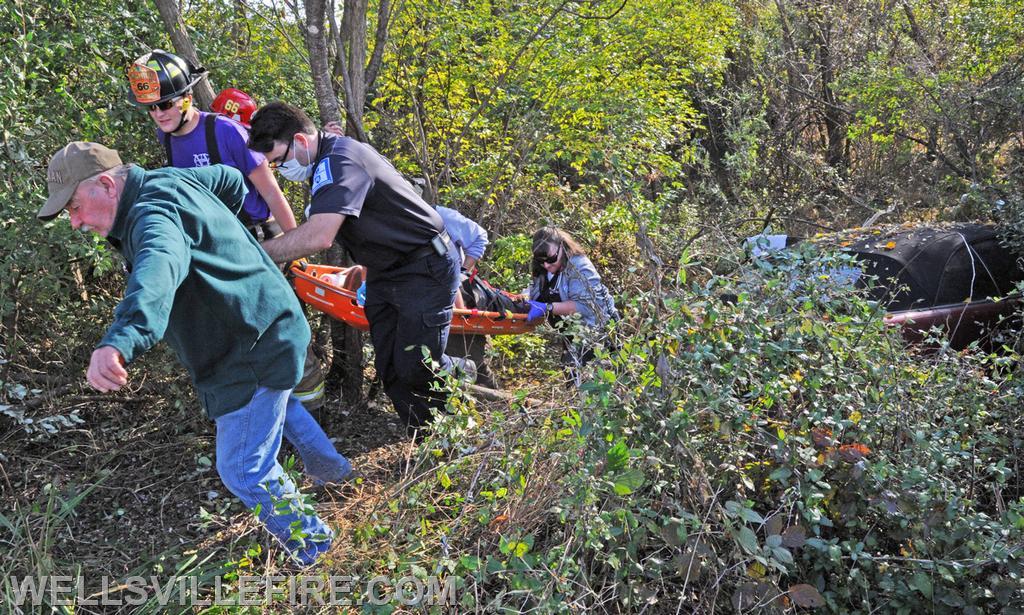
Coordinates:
x,y
538,310
106,370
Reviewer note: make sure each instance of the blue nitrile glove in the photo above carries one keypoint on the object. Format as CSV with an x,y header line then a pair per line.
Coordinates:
x,y
361,294
537,310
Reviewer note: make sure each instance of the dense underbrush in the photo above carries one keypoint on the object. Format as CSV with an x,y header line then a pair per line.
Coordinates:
x,y
782,452
786,451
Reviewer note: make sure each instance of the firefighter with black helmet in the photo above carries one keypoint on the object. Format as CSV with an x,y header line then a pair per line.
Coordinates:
x,y
161,82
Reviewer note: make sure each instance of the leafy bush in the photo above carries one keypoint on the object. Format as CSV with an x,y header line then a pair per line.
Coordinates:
x,y
792,443
785,451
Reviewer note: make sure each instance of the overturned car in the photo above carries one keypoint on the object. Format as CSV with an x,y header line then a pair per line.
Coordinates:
x,y
957,277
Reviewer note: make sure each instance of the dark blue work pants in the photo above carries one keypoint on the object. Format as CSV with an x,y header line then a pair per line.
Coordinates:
x,y
410,309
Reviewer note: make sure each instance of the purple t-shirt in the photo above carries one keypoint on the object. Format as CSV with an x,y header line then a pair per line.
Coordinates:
x,y
191,150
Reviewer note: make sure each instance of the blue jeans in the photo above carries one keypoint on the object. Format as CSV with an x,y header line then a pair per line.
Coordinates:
x,y
409,309
248,441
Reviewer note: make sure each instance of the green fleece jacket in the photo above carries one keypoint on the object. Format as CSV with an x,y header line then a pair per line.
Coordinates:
x,y
200,280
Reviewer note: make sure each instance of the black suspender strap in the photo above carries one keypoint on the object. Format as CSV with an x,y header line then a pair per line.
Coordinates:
x,y
212,147
211,138
166,140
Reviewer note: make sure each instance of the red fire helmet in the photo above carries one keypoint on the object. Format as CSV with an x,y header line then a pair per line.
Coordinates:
x,y
235,104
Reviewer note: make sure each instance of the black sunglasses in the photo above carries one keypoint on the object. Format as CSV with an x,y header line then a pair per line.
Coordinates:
x,y
162,106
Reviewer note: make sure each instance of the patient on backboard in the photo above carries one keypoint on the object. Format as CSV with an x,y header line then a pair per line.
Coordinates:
x,y
475,293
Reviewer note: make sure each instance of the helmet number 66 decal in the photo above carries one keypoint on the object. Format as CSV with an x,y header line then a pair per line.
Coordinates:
x,y
145,83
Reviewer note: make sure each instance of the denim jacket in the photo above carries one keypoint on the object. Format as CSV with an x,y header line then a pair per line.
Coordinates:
x,y
579,281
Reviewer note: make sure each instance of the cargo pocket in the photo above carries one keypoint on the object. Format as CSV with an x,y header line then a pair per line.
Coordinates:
x,y
438,319
435,323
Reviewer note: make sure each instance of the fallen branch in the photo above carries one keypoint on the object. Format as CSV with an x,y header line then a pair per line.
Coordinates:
x,y
496,395
112,399
36,402
41,400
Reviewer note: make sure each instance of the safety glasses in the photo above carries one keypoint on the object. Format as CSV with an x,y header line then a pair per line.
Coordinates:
x,y
277,163
163,106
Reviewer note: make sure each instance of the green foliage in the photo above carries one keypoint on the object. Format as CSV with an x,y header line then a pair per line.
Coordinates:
x,y
296,503
257,49
506,105
792,439
62,81
918,91
1005,199
506,256
726,454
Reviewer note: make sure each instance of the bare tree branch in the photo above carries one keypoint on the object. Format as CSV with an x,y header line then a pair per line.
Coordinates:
x,y
380,38
276,24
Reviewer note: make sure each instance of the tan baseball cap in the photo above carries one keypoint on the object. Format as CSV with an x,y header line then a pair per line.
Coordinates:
x,y
73,163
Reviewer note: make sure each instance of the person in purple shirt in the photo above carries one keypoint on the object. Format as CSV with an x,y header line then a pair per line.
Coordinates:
x,y
162,83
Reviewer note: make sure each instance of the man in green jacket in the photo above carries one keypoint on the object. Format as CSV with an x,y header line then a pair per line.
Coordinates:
x,y
200,281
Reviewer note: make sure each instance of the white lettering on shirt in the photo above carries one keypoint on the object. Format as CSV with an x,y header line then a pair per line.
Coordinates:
x,y
322,176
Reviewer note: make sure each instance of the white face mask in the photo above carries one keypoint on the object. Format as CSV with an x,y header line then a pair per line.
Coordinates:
x,y
293,171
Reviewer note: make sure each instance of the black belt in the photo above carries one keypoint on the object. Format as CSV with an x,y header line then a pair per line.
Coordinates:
x,y
438,245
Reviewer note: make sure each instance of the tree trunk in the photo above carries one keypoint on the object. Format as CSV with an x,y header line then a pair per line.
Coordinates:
x,y
353,35
834,119
347,361
353,108
353,70
316,44
239,27
203,91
